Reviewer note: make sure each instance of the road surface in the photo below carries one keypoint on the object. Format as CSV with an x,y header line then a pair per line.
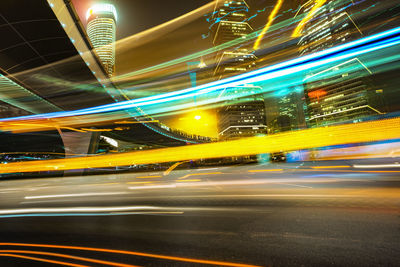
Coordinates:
x,y
308,214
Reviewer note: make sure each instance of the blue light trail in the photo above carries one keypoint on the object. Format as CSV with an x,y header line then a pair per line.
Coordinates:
x,y
349,50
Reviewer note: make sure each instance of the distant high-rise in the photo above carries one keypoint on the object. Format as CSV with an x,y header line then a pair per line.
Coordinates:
x,y
342,92
290,111
230,24
101,29
242,114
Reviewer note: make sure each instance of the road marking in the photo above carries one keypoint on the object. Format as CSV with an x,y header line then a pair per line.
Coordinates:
x,y
211,183
269,170
197,174
150,176
192,180
148,182
330,167
173,167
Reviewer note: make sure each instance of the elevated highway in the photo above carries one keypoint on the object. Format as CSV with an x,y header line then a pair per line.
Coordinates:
x,y
47,64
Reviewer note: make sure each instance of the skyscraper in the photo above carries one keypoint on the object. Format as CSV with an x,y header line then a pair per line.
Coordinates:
x,y
101,29
243,114
290,111
229,24
343,92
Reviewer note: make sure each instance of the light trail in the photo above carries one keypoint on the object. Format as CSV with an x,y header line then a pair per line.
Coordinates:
x,y
342,52
369,131
91,214
133,253
297,31
76,195
376,166
67,257
41,259
78,209
330,167
268,25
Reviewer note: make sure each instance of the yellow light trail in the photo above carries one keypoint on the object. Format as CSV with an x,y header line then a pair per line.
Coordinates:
x,y
76,123
297,31
330,167
369,131
133,122
269,23
170,169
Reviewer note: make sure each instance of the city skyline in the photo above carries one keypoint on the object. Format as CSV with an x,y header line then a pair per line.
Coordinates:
x,y
238,133
239,116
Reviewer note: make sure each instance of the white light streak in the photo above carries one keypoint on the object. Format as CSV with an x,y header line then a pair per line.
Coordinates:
x,y
76,195
377,166
78,209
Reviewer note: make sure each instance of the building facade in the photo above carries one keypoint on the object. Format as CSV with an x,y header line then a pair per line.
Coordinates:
x,y
242,116
101,29
343,92
243,113
290,109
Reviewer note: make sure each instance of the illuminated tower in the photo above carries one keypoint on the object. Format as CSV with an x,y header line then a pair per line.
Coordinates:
x,y
342,92
243,113
230,24
101,29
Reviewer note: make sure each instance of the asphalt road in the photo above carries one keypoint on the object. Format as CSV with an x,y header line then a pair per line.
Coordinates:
x,y
325,214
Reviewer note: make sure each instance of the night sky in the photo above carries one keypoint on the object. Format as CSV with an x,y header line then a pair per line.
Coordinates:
x,y
138,15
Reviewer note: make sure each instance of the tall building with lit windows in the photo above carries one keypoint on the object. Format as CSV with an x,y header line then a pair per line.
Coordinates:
x,y
342,92
101,29
243,114
290,109
230,23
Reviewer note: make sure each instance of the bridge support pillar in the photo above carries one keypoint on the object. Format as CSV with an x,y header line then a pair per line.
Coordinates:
x,y
79,144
